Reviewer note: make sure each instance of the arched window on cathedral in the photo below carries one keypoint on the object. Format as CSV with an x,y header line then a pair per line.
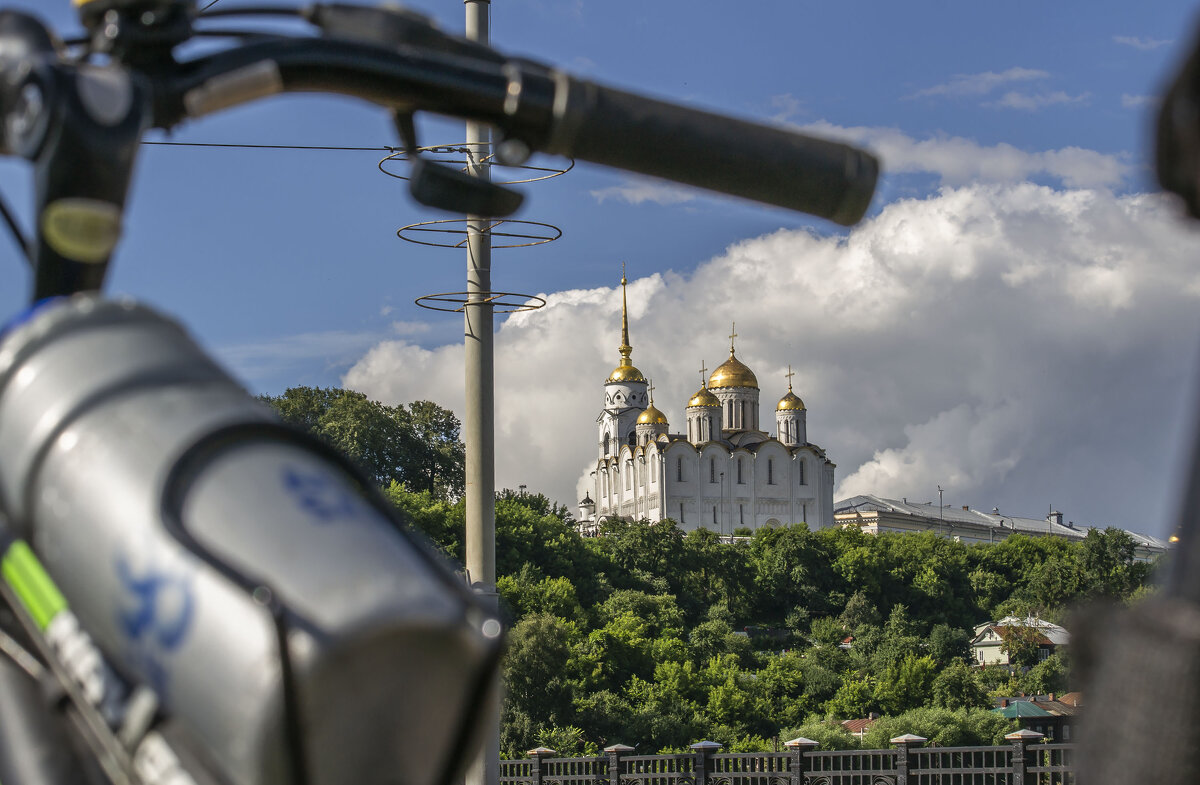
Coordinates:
x,y
712,469
628,474
800,470
681,512
770,471
739,468
679,474
714,515
653,467
741,515
607,442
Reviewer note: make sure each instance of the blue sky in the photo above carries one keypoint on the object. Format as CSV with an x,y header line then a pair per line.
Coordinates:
x,y
1022,121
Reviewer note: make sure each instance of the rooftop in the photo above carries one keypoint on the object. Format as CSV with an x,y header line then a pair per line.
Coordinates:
x,y
969,518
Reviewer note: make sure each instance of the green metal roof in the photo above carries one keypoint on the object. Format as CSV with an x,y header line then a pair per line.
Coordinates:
x,y
1021,709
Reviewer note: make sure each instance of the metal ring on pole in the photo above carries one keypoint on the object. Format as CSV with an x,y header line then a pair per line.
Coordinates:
x,y
462,156
501,302
458,227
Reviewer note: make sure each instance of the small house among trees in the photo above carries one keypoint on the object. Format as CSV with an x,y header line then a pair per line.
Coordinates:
x,y
1014,641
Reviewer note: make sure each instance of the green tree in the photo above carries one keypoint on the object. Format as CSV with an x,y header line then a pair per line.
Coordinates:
x,y
1020,642
1050,675
827,734
948,645
538,672
854,699
906,685
417,446
942,727
957,688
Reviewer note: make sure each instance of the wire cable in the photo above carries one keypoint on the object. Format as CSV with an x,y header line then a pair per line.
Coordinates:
x,y
231,145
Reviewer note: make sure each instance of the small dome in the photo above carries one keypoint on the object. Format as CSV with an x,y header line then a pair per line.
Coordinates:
x,y
704,398
790,403
732,373
652,416
625,373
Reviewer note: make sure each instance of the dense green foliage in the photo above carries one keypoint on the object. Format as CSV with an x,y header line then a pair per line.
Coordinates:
x,y
652,637
657,638
415,445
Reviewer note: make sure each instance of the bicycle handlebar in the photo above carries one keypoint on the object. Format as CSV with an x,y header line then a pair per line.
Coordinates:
x,y
80,123
556,113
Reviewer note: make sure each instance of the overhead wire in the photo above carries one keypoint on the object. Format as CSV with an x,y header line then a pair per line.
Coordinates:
x,y
379,149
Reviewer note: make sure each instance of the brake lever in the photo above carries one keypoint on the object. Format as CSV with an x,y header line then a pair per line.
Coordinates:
x,y
438,186
392,26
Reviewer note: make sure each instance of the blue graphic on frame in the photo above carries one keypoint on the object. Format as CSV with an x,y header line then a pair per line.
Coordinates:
x,y
159,607
320,495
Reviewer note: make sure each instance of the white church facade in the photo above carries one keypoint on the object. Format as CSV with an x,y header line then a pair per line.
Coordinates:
x,y
722,473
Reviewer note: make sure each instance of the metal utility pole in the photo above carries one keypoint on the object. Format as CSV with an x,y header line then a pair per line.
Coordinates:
x,y
478,427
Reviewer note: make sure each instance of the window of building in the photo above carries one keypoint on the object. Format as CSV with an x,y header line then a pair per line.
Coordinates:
x,y
607,437
653,468
712,469
681,512
714,514
770,471
628,474
679,473
741,515
739,468
800,471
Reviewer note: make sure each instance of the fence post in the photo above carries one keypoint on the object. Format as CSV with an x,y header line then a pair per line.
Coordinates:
x,y
539,754
615,753
704,751
903,763
1020,754
796,763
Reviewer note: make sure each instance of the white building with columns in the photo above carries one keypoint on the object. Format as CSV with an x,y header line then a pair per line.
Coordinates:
x,y
723,473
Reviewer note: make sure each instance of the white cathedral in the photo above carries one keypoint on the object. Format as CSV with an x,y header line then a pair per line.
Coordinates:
x,y
724,474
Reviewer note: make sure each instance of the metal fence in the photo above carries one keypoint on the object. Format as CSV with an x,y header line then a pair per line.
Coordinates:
x,y
1025,761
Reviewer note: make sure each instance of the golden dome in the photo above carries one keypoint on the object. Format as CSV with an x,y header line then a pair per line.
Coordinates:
x,y
790,403
704,398
732,373
625,372
652,416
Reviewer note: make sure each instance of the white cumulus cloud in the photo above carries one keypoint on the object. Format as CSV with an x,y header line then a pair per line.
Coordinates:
x,y
1144,43
1019,345
958,160
982,83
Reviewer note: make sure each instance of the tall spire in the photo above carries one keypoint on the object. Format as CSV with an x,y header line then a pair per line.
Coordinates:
x,y
625,349
625,372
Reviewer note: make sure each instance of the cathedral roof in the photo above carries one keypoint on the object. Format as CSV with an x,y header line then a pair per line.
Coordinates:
x,y
703,398
732,373
652,415
790,403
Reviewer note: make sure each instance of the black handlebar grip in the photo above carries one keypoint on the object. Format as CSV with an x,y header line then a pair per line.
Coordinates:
x,y
770,165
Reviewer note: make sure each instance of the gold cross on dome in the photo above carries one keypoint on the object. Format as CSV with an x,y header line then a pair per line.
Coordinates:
x,y
789,376
703,375
650,387
732,334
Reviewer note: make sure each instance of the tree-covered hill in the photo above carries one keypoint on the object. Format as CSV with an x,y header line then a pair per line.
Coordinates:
x,y
655,638
652,637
